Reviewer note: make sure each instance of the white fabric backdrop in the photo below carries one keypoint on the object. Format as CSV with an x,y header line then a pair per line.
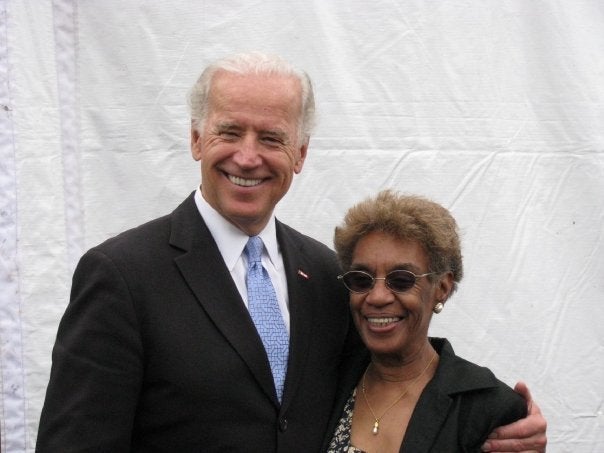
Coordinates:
x,y
493,108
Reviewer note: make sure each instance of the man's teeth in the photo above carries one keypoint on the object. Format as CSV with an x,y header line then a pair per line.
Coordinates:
x,y
244,182
382,321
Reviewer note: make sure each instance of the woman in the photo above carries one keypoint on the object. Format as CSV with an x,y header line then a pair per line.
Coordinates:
x,y
403,260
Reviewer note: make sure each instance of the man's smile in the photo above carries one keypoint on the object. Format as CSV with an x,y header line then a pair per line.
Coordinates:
x,y
244,182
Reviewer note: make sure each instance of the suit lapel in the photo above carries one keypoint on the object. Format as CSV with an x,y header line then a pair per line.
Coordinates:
x,y
300,291
205,272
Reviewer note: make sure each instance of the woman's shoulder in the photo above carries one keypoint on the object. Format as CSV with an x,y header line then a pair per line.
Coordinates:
x,y
456,374
482,397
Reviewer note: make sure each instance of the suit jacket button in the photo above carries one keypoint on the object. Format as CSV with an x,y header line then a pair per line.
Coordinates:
x,y
283,425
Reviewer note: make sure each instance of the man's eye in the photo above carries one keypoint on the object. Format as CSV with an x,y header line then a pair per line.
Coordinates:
x,y
229,134
272,140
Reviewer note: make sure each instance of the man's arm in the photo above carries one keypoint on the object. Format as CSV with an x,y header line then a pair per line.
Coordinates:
x,y
97,365
526,435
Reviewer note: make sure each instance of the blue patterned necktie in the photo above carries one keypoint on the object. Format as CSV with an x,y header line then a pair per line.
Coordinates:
x,y
265,312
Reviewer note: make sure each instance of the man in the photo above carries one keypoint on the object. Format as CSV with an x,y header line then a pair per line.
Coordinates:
x,y
157,350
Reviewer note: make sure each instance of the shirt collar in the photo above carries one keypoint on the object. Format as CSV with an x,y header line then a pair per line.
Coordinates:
x,y
230,239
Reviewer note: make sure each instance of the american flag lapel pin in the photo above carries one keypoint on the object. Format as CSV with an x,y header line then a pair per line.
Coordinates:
x,y
303,274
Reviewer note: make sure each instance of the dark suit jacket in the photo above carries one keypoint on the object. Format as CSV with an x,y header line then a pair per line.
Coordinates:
x,y
457,410
157,352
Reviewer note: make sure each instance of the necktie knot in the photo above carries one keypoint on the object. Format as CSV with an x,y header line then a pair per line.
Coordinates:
x,y
253,250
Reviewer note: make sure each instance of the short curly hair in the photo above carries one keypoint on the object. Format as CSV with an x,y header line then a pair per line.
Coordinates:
x,y
405,217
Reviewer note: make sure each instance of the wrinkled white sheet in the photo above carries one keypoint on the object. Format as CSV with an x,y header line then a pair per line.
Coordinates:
x,y
495,109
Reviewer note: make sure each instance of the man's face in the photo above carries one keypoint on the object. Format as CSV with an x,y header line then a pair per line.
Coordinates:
x,y
249,148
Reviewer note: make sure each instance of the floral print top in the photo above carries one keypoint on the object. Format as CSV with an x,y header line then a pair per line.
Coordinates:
x,y
340,442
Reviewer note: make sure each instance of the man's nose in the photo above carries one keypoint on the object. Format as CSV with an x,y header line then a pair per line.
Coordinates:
x,y
248,153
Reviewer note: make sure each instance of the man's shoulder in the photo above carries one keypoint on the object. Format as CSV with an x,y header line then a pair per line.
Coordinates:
x,y
285,231
147,235
140,233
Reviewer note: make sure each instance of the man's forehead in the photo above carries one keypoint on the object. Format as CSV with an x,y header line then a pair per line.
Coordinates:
x,y
233,82
266,96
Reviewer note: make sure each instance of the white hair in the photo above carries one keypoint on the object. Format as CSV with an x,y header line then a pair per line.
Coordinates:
x,y
252,63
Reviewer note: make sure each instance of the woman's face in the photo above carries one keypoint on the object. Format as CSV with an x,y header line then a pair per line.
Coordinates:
x,y
390,323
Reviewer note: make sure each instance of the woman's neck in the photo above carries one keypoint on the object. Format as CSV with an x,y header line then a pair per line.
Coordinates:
x,y
402,368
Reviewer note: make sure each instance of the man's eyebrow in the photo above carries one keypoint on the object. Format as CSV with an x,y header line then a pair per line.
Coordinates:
x,y
275,133
227,125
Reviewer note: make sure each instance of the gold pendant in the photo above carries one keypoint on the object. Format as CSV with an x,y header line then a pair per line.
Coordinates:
x,y
376,427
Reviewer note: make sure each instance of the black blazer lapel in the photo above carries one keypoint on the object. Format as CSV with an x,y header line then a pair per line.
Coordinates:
x,y
205,272
298,270
426,422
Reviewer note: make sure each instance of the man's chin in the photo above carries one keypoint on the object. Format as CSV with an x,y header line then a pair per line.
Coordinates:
x,y
250,221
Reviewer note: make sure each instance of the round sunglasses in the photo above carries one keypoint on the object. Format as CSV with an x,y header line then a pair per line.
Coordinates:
x,y
398,281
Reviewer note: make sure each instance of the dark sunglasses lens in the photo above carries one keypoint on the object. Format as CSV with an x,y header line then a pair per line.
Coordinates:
x,y
400,281
358,281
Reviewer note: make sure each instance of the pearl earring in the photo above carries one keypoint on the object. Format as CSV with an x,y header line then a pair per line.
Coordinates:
x,y
438,307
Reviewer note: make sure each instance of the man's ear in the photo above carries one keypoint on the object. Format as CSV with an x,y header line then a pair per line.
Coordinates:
x,y
301,157
195,143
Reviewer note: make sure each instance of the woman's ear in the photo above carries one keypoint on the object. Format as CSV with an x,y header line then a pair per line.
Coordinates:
x,y
444,286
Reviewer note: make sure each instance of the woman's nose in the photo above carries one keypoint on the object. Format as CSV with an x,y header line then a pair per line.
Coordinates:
x,y
380,294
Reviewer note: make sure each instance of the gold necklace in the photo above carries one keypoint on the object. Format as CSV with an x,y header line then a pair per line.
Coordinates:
x,y
376,424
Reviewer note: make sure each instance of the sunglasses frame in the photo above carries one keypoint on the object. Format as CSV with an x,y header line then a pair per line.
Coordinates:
x,y
373,279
